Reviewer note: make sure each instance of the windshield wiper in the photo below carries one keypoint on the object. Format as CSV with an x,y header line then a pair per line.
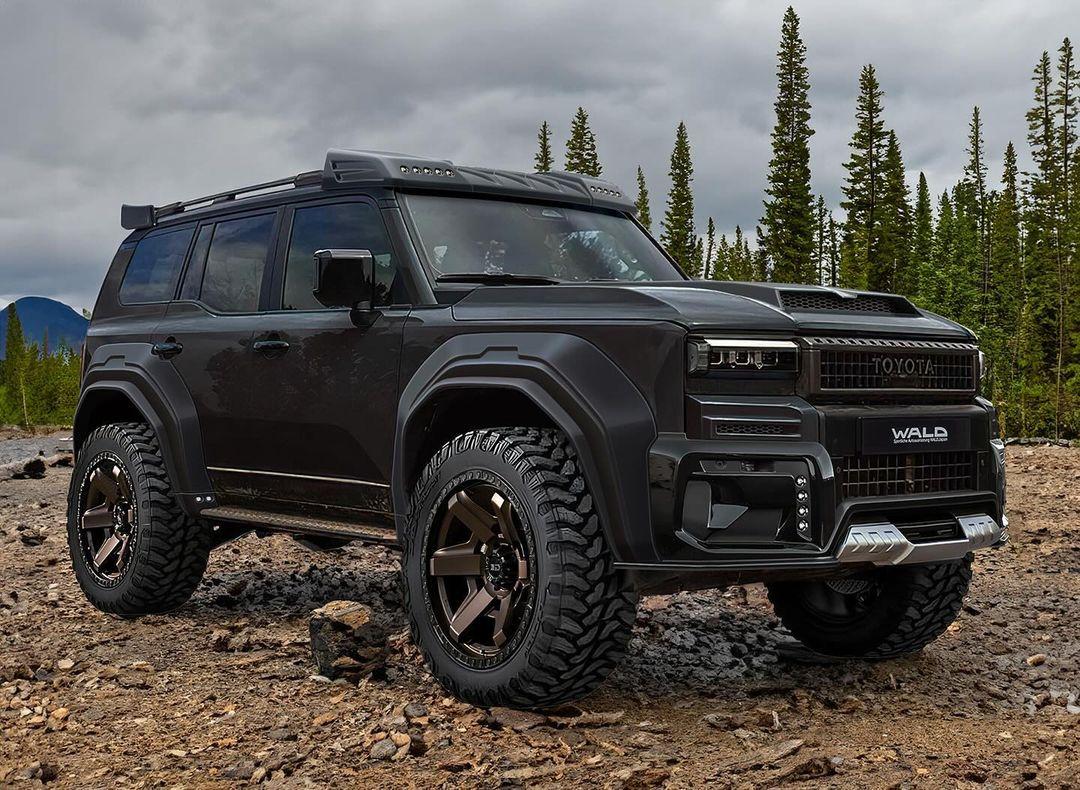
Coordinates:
x,y
498,278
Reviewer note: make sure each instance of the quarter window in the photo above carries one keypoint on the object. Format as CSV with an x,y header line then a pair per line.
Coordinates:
x,y
152,272
235,264
343,226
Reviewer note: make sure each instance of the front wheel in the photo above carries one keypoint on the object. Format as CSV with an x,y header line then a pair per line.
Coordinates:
x,y
884,613
510,585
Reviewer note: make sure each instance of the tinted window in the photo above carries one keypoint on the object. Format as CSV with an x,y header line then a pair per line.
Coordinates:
x,y
343,226
194,274
235,264
151,274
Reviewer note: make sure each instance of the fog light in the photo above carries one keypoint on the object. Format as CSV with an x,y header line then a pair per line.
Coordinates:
x,y
804,525
803,510
800,481
801,496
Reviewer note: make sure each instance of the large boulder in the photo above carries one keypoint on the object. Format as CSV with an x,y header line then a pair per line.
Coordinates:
x,y
347,640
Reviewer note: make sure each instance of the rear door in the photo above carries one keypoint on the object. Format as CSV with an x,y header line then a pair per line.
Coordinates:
x,y
325,392
206,333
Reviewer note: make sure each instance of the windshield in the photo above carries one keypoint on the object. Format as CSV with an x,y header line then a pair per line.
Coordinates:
x,y
464,235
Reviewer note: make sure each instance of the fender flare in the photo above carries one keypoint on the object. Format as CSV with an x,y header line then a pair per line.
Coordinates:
x,y
579,388
156,390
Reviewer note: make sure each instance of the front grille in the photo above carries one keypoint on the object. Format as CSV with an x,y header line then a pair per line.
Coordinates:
x,y
826,301
898,475
856,364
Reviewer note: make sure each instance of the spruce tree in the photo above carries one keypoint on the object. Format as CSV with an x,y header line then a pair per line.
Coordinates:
x,y
740,263
641,205
787,237
975,180
834,254
922,240
821,241
678,236
581,154
710,249
721,263
863,184
16,363
544,160
891,270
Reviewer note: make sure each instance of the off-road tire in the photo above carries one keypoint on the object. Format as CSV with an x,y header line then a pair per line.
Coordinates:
x,y
171,549
913,607
584,608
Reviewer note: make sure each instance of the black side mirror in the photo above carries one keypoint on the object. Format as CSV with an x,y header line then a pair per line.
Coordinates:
x,y
346,278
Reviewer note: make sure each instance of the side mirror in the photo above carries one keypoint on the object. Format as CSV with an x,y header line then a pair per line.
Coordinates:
x,y
346,278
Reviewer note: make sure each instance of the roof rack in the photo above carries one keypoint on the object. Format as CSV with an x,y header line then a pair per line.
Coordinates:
x,y
140,217
346,168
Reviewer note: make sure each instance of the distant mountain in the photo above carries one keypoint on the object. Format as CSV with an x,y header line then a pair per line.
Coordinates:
x,y
38,315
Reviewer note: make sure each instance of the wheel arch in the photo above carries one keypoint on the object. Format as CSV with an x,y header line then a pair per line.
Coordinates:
x,y
535,380
124,382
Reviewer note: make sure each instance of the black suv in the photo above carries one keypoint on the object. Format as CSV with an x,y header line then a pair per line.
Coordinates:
x,y
504,375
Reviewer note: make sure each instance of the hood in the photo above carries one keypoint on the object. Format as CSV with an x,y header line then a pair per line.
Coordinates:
x,y
707,305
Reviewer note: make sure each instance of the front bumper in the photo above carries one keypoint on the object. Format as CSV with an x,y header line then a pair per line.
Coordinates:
x,y
730,505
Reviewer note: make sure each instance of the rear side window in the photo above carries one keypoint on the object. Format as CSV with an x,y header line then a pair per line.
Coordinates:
x,y
235,264
340,226
154,268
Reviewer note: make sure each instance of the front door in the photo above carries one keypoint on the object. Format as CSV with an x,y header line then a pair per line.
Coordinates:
x,y
325,392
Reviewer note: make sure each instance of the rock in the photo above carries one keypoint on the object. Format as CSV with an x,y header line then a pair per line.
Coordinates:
x,y
241,771
383,750
516,720
281,734
346,640
1036,660
415,710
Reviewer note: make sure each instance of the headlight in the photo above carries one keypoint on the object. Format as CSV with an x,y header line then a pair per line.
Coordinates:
x,y
736,355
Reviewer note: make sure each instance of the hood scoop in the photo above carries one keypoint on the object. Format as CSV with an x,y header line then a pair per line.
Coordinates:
x,y
828,301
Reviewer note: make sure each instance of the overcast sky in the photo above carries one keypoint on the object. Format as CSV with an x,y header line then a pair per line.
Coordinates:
x,y
104,102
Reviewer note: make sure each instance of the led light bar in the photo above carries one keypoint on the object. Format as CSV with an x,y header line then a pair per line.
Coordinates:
x,y
737,354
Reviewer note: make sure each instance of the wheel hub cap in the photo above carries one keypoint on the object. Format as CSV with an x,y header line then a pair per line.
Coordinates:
x,y
479,571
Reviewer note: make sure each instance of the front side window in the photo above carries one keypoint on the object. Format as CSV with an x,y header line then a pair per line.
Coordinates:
x,y
152,272
341,226
463,235
235,264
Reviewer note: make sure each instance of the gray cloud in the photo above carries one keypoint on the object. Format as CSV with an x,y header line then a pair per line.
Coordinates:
x,y
111,101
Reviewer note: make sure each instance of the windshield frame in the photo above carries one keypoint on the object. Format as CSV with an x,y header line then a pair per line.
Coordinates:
x,y
433,278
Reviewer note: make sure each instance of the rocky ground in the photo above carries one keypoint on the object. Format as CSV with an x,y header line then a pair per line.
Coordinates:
x,y
224,691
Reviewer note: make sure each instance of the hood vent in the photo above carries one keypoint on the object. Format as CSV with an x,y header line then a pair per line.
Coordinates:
x,y
832,302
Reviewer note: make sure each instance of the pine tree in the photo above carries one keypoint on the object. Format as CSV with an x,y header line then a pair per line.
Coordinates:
x,y
1004,340
721,264
891,270
641,205
834,254
922,240
821,242
787,237
16,359
976,206
678,236
863,184
544,160
581,154
740,263
937,287
710,249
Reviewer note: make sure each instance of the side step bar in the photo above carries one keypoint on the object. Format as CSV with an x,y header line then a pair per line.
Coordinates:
x,y
302,525
885,544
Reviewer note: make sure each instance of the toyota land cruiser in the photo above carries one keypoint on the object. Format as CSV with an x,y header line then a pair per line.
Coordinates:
x,y
505,376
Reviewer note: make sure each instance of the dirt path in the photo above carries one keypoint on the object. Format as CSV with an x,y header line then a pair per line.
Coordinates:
x,y
222,692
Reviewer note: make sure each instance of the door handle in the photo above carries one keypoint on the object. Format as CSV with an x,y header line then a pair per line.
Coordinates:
x,y
166,349
270,346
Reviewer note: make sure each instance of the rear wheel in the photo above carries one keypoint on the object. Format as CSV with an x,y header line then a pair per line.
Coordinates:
x,y
510,585
133,549
884,613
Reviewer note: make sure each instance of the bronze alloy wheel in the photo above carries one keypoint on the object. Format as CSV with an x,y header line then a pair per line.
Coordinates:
x,y
480,573
107,520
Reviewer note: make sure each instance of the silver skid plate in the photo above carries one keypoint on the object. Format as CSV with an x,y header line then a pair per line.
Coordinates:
x,y
885,544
